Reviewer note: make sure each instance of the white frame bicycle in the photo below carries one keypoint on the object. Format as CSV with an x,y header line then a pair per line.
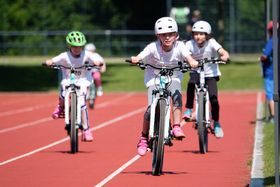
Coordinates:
x,y
202,102
72,105
160,125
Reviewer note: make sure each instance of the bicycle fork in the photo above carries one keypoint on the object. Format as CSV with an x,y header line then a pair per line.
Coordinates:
x,y
67,109
206,102
152,119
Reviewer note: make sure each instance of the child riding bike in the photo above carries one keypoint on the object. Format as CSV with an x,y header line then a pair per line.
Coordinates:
x,y
166,50
204,46
76,56
97,74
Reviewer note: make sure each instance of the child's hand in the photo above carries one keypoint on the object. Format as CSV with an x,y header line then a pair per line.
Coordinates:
x,y
49,62
225,58
98,63
193,63
135,59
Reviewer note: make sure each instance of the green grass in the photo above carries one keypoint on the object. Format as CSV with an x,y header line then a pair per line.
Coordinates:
x,y
269,155
26,74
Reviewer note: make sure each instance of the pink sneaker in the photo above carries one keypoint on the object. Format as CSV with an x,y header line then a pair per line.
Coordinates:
x,y
87,136
177,132
58,112
142,146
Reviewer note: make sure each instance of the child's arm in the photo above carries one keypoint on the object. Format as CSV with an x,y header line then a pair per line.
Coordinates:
x,y
193,63
224,55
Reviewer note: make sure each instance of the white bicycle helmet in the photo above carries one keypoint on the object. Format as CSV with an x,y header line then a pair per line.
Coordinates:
x,y
201,26
165,25
90,47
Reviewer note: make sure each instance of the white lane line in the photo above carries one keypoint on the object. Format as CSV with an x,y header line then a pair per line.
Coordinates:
x,y
115,100
102,105
257,165
43,120
102,125
118,171
27,109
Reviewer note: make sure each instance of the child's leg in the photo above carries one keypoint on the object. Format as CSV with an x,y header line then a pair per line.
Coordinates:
x,y
269,86
143,142
194,78
97,78
86,134
213,96
98,83
59,110
177,110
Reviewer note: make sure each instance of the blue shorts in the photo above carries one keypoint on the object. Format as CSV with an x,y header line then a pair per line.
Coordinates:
x,y
268,86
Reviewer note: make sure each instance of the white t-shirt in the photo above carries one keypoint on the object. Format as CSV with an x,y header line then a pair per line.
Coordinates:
x,y
66,59
210,49
153,54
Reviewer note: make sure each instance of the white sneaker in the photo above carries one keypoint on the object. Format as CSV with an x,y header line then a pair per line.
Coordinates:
x,y
99,91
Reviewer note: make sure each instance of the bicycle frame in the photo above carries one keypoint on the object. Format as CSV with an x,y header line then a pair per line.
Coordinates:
x,y
203,120
161,93
72,105
72,88
160,108
202,87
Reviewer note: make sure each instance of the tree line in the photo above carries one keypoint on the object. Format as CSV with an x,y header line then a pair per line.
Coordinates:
x,y
91,15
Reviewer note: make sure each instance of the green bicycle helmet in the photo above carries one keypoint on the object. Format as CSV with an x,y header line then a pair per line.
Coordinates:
x,y
76,38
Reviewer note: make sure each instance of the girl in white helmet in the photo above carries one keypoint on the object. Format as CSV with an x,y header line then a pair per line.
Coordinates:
x,y
165,50
202,46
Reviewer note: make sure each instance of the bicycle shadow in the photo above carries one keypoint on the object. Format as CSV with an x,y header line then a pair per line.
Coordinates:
x,y
149,173
196,152
67,152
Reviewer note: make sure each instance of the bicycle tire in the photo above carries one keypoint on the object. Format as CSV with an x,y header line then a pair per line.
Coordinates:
x,y
73,125
201,124
158,143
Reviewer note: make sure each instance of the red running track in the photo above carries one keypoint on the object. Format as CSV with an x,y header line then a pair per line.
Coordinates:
x,y
34,149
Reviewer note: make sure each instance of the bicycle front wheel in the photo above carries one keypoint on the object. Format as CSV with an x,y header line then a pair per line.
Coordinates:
x,y
73,125
158,143
201,124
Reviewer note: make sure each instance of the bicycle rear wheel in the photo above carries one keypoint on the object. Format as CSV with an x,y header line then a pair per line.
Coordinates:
x,y
73,125
158,143
201,124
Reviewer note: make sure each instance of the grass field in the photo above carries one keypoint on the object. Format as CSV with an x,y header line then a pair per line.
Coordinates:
x,y
120,76
269,155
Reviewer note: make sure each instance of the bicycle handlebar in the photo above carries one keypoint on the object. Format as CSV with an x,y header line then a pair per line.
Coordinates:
x,y
201,62
57,66
182,66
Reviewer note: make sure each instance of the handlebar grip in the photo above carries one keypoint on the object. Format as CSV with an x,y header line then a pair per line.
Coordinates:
x,y
128,60
44,64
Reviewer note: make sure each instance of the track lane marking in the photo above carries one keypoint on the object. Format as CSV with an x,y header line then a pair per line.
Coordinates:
x,y
43,120
118,171
27,109
33,123
102,125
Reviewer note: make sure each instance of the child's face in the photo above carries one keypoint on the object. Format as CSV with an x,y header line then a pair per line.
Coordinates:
x,y
199,37
167,39
76,50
